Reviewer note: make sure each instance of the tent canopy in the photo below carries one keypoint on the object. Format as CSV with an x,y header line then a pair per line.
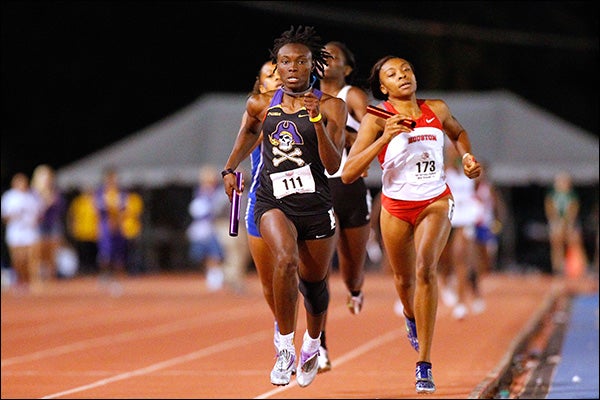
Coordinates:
x,y
520,143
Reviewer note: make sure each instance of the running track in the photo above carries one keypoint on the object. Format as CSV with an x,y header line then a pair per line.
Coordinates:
x,y
166,337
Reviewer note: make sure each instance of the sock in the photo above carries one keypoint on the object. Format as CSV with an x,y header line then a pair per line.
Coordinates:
x,y
286,341
311,345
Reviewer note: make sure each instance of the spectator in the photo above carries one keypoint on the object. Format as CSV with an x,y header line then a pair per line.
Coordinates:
x,y
561,206
131,226
205,248
111,201
52,223
21,212
83,227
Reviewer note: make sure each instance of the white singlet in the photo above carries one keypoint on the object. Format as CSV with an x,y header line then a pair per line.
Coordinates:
x,y
413,162
350,122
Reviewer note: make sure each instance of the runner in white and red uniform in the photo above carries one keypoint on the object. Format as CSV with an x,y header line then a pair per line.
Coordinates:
x,y
416,203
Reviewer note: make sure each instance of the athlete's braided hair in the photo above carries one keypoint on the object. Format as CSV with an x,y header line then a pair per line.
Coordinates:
x,y
307,36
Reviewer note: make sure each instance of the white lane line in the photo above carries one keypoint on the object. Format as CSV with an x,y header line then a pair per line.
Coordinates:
x,y
227,345
378,341
164,329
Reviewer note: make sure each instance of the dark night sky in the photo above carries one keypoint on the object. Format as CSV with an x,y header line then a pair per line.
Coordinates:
x,y
79,75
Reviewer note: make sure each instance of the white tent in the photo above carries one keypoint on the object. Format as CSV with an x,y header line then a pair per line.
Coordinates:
x,y
520,142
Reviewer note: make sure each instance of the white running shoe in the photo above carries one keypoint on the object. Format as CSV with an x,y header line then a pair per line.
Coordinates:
x,y
449,297
324,362
460,311
283,368
374,251
308,364
478,306
355,303
214,279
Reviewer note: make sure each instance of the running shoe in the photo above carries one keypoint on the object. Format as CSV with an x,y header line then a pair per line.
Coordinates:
x,y
308,366
449,297
411,332
215,278
276,344
478,306
355,303
460,311
283,368
324,363
424,378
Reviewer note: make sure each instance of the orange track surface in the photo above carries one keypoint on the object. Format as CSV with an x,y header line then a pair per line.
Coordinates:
x,y
167,337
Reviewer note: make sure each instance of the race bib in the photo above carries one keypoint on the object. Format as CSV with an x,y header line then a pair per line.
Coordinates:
x,y
299,180
424,171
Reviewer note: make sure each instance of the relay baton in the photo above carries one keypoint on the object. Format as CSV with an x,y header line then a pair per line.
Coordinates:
x,y
385,114
234,210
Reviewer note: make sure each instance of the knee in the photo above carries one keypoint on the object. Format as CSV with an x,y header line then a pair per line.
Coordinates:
x,y
316,296
426,274
288,263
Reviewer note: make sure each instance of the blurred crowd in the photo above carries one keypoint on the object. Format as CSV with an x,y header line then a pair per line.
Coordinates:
x,y
48,234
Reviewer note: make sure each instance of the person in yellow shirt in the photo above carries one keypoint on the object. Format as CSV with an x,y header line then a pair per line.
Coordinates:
x,y
131,227
82,225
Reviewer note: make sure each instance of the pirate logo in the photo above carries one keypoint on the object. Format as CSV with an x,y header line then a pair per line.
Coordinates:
x,y
283,140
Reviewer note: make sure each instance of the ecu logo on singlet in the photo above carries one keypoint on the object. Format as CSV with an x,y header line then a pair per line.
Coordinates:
x,y
283,139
